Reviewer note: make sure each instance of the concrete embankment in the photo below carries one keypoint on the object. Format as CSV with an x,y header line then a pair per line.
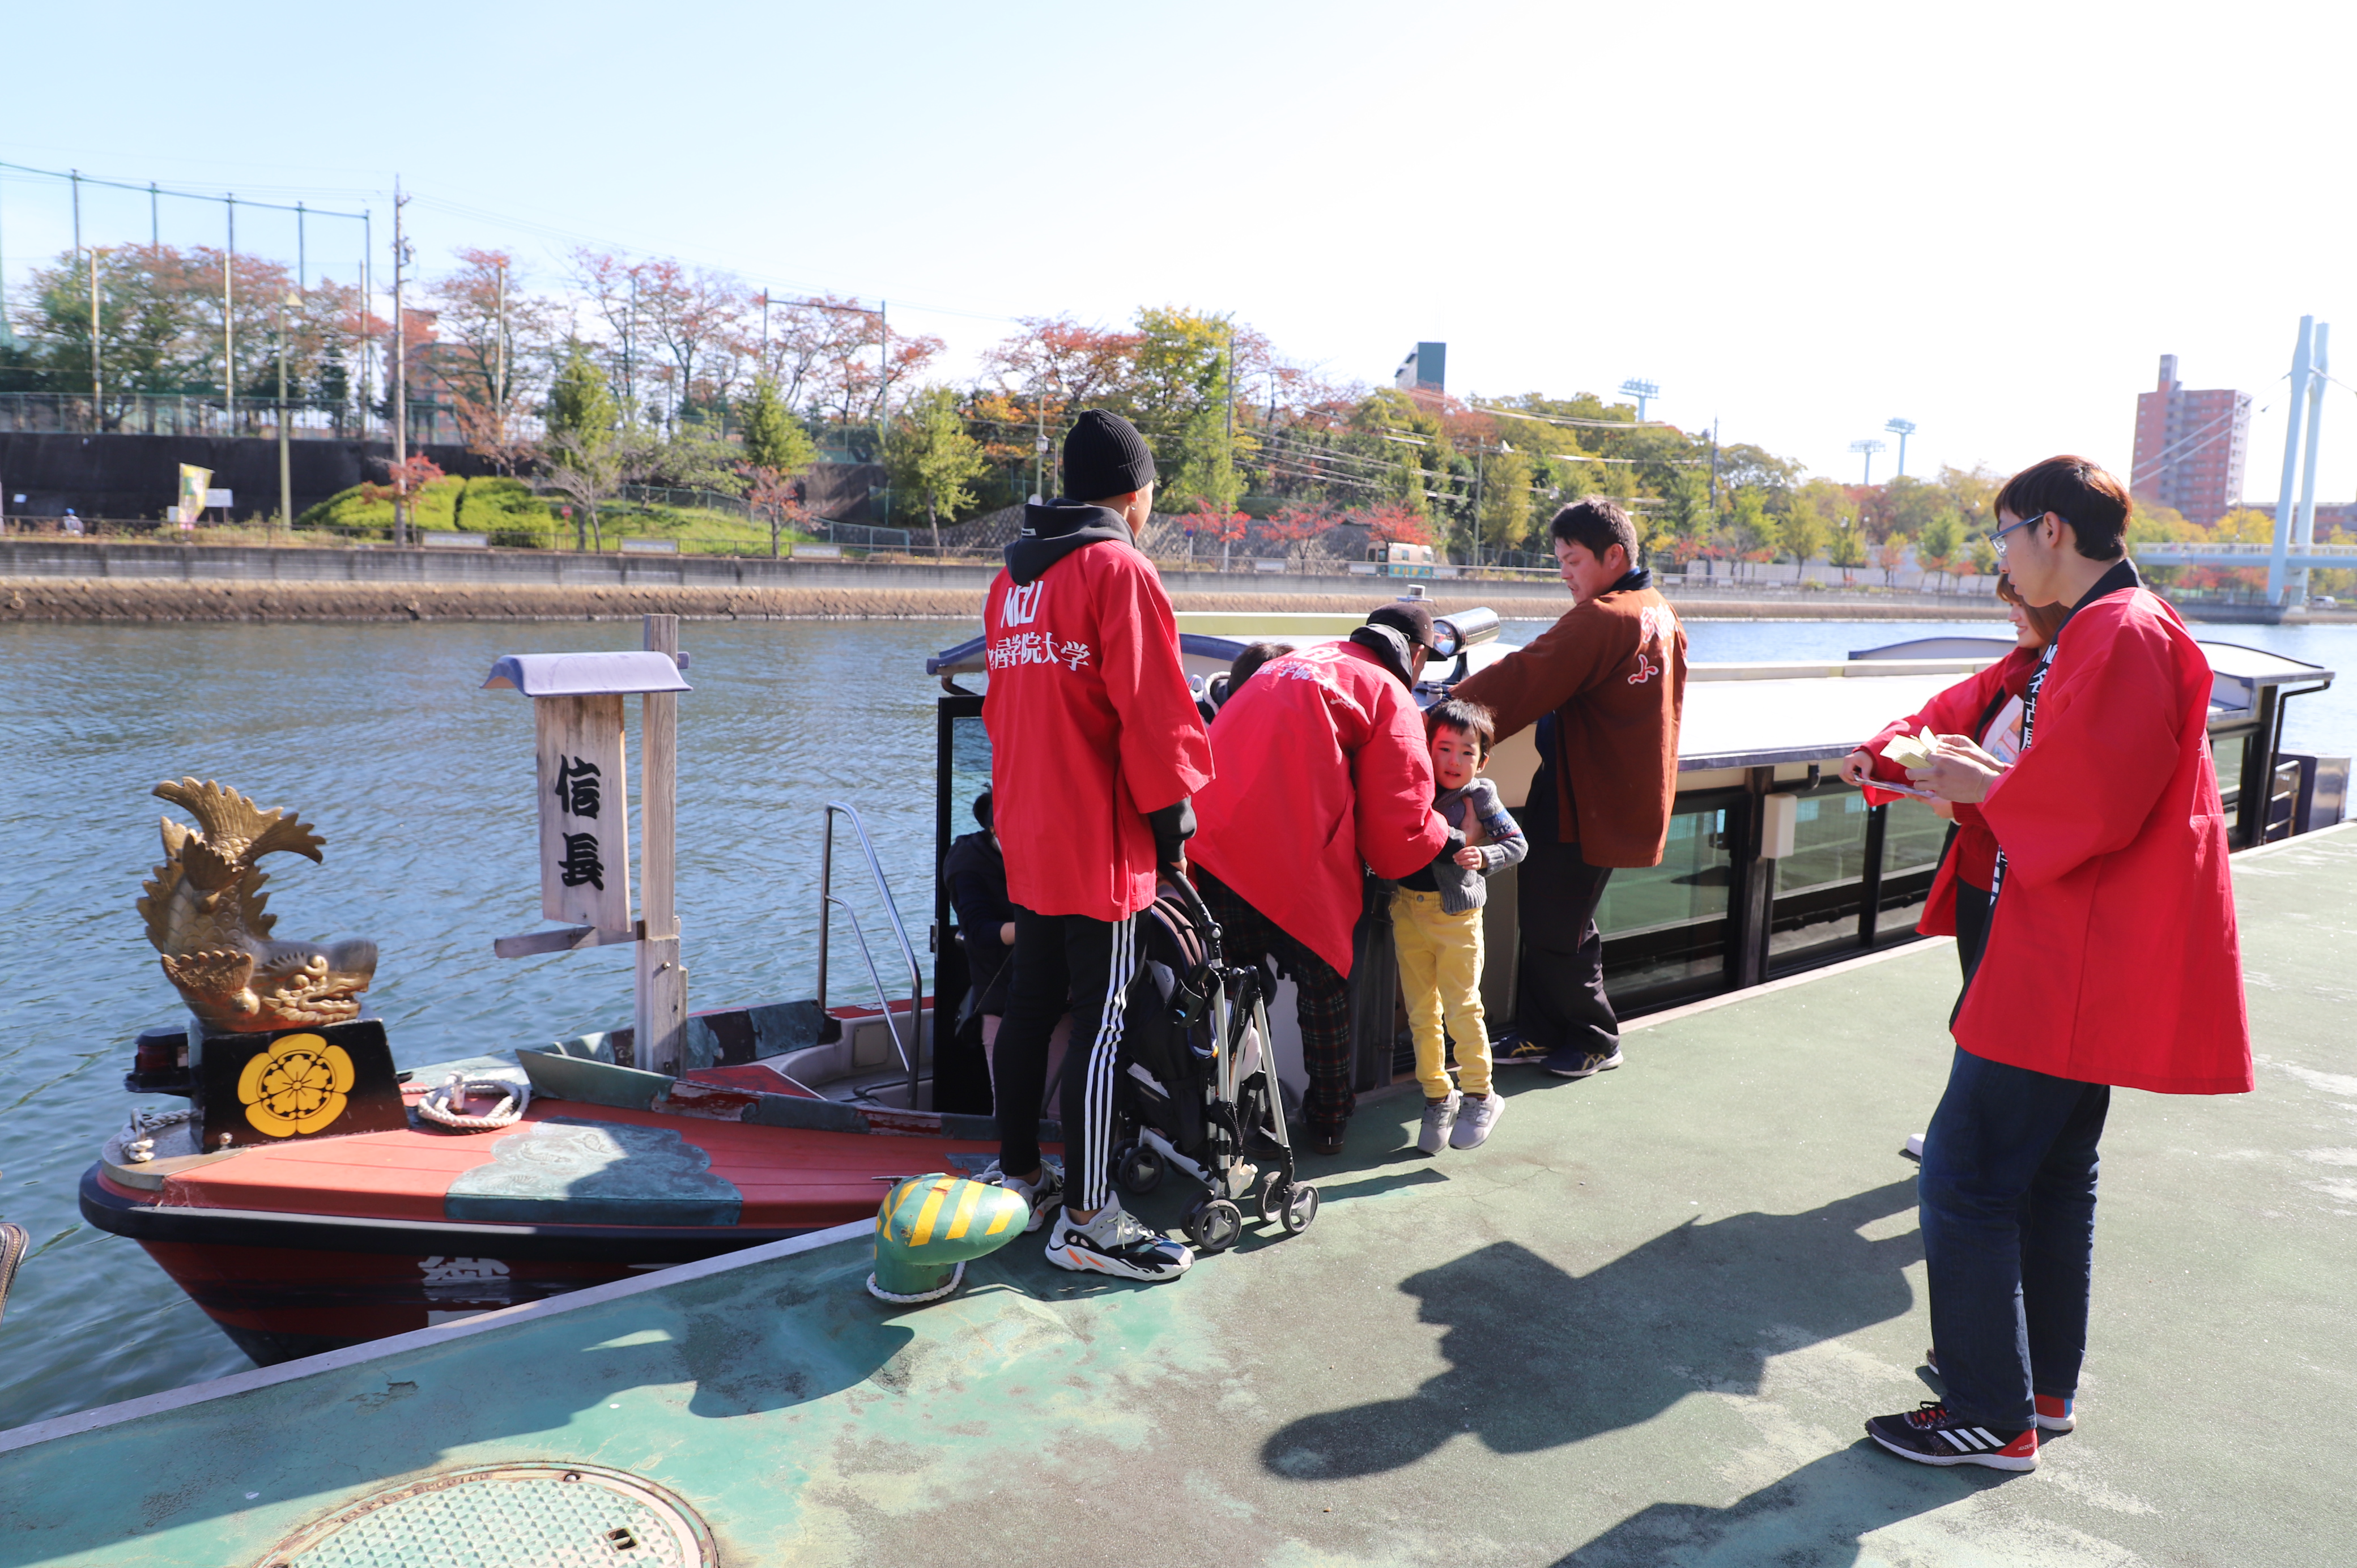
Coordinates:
x,y
85,599
57,580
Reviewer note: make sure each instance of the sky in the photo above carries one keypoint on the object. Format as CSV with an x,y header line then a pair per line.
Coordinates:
x,y
1800,220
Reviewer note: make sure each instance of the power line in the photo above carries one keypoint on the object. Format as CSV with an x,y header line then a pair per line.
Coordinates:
x,y
152,188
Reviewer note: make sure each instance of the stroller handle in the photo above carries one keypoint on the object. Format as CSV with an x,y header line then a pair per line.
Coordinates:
x,y
1197,910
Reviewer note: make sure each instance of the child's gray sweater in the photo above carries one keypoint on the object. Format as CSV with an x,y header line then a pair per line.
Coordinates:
x,y
1460,887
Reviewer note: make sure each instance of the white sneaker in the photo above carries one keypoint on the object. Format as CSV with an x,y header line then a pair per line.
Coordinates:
x,y
1477,1119
1116,1242
1045,1199
1439,1117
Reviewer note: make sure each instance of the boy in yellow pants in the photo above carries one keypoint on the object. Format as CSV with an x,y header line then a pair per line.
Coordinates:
x,y
1437,930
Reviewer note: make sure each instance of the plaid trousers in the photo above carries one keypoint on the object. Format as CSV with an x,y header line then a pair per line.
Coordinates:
x,y
1323,997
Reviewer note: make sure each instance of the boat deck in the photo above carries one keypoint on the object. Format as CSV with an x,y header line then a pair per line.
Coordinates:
x,y
1641,1327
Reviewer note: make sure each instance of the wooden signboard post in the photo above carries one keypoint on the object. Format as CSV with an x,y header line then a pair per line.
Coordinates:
x,y
584,808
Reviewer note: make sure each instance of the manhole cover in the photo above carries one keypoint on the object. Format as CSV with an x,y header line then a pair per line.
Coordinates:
x,y
506,1516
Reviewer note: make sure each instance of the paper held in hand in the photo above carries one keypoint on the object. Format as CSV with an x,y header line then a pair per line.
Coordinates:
x,y
1908,751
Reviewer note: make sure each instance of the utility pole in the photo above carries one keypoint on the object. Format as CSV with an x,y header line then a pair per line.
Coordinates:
x,y
1869,446
1644,392
400,376
155,219
1714,467
97,382
368,304
229,321
285,458
884,395
302,253
499,360
1902,429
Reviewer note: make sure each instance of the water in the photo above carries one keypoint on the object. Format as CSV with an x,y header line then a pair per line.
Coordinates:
x,y
422,785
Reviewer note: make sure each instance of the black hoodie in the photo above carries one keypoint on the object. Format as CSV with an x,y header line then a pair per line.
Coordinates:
x,y
1054,531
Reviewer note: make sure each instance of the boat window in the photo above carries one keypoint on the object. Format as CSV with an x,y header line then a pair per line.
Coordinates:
x,y
1666,926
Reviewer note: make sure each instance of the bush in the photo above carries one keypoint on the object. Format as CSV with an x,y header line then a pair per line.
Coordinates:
x,y
507,512
435,507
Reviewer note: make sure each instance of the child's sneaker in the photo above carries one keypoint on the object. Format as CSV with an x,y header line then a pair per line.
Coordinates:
x,y
1929,1436
1116,1242
1439,1119
1476,1118
2054,1414
1045,1199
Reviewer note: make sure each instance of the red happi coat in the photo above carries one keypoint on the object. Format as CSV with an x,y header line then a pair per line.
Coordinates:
x,y
2112,949
1091,727
1956,711
1323,766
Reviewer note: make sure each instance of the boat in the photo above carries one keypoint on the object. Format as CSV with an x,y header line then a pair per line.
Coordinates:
x,y
787,1119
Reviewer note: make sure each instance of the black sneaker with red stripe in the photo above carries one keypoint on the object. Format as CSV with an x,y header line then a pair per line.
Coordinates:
x,y
1928,1434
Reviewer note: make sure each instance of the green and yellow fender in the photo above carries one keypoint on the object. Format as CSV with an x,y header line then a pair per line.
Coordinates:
x,y
932,1227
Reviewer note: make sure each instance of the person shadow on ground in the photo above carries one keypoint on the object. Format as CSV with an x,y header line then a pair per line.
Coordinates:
x,y
1540,1358
1815,1518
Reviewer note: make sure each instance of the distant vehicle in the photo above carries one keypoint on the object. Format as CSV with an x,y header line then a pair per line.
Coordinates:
x,y
1395,560
2323,602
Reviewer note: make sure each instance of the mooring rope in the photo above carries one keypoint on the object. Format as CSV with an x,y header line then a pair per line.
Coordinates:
x,y
439,1102
139,1133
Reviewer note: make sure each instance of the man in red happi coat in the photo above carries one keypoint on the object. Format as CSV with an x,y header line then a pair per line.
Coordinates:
x,y
2111,959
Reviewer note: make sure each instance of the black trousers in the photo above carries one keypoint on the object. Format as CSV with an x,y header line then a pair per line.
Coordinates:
x,y
1064,961
1972,925
1560,1003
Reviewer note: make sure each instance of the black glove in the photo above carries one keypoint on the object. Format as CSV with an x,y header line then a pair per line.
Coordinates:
x,y
1173,825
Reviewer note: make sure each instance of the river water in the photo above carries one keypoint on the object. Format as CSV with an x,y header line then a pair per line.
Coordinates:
x,y
422,785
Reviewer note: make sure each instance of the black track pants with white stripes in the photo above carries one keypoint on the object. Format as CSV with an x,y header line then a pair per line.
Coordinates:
x,y
1064,961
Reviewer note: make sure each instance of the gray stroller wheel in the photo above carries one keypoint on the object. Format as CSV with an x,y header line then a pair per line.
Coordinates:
x,y
1272,1196
1300,1208
1214,1225
1138,1168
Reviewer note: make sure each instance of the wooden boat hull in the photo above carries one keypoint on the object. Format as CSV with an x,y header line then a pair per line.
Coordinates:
x,y
303,1245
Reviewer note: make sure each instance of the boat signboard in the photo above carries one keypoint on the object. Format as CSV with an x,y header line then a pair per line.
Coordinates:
x,y
584,833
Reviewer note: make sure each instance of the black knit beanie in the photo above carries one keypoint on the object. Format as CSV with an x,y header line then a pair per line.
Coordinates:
x,y
1105,456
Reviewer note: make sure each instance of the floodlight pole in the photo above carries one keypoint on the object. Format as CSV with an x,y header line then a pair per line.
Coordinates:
x,y
2306,526
1869,446
1644,392
1902,429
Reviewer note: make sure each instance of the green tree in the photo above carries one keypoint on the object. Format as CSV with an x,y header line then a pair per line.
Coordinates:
x,y
1505,498
1983,555
773,437
1847,547
1936,546
582,456
929,455
1806,529
1757,536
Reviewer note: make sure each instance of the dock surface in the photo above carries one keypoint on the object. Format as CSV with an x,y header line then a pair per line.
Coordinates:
x,y
1642,1326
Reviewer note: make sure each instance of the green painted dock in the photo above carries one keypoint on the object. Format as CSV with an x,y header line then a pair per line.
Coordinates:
x,y
1641,1327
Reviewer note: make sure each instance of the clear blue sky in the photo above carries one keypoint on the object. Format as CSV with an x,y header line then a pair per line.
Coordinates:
x,y
1801,219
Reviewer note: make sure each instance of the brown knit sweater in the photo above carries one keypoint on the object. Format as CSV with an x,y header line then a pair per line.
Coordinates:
x,y
1613,673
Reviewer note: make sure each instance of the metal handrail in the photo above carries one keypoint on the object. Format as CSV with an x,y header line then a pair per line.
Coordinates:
x,y
910,1048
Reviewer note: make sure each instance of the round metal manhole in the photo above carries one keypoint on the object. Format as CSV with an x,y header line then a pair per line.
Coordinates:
x,y
506,1516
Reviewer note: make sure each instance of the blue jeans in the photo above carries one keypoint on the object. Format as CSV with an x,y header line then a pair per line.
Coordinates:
x,y
2008,1219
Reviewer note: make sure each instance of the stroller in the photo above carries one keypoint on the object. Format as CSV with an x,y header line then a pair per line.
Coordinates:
x,y
1198,1087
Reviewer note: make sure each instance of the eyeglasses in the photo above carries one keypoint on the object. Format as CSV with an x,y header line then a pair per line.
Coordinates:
x,y
1997,539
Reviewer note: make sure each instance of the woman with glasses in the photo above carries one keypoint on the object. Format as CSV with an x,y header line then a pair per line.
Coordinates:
x,y
1986,707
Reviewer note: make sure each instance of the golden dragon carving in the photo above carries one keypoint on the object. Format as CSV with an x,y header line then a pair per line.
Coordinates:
x,y
204,913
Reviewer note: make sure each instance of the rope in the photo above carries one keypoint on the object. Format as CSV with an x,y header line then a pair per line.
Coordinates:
x,y
957,1276
437,1104
139,1133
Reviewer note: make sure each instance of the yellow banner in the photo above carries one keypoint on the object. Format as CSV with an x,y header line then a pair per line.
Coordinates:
x,y
194,482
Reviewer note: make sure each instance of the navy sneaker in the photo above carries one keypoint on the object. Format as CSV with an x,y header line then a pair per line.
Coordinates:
x,y
2052,1414
1583,1064
1509,1050
1928,1434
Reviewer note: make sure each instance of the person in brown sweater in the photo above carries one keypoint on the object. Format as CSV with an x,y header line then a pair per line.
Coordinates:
x,y
1605,685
